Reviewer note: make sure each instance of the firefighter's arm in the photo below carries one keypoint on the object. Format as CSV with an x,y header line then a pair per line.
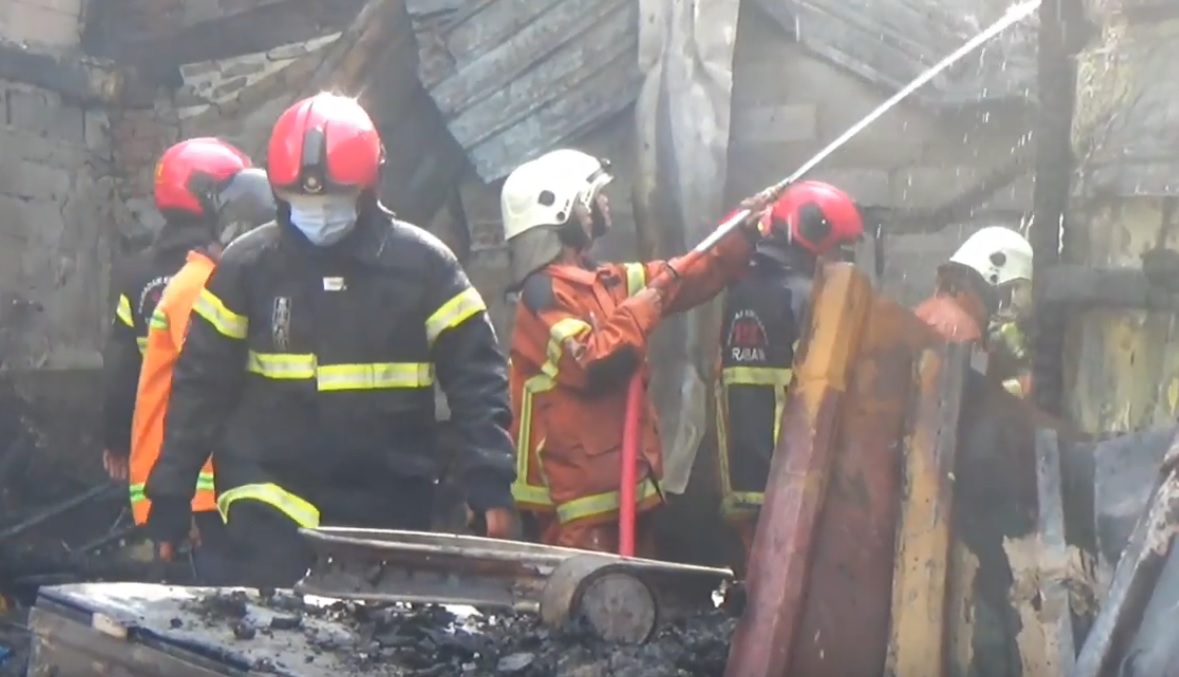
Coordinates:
x,y
205,381
695,280
592,354
473,374
120,376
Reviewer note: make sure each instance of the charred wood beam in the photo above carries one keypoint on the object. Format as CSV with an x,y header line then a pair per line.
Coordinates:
x,y
347,61
1085,287
80,80
263,27
1057,78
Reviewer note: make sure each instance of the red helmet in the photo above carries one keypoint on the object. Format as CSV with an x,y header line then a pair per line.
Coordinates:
x,y
191,173
323,144
817,216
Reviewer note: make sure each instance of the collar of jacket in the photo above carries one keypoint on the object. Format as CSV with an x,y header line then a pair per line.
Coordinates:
x,y
584,273
178,237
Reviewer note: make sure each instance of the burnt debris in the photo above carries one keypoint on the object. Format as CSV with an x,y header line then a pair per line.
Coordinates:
x,y
427,640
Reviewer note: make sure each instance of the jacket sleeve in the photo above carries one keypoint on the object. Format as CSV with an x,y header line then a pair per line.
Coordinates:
x,y
121,361
589,354
701,279
205,381
473,374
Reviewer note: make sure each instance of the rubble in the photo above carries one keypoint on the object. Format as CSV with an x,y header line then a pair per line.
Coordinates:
x,y
440,641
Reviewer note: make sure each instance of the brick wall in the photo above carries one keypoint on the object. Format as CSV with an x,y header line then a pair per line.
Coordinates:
x,y
56,209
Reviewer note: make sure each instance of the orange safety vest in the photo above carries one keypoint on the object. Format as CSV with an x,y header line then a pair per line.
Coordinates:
x,y
165,337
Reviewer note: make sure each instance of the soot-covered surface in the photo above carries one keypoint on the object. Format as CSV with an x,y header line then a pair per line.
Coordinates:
x,y
280,633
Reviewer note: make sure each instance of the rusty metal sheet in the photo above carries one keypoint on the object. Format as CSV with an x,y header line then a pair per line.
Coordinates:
x,y
778,577
845,622
1134,578
921,565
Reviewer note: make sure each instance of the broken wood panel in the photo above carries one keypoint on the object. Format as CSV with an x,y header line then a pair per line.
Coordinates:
x,y
1055,606
1134,578
532,49
487,24
779,567
845,621
562,119
917,640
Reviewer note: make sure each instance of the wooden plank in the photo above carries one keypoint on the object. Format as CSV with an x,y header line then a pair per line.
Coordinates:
x,y
918,642
1055,611
566,73
1134,578
532,47
779,566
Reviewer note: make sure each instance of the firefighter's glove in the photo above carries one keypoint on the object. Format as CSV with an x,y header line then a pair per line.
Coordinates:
x,y
169,525
502,523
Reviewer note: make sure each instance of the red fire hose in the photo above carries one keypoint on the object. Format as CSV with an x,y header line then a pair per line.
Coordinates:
x,y
636,397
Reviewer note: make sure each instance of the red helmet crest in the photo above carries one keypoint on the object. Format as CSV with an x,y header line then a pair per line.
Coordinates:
x,y
323,144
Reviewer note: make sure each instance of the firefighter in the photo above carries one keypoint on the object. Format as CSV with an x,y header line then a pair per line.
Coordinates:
x,y
989,278
234,206
580,333
183,172
763,317
311,358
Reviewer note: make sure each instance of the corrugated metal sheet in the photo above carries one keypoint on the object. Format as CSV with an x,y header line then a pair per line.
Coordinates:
x,y
513,78
890,42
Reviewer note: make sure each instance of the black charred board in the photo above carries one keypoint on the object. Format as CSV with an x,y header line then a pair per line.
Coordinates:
x,y
195,631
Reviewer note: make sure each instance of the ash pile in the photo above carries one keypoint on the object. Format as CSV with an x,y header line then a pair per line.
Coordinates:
x,y
435,641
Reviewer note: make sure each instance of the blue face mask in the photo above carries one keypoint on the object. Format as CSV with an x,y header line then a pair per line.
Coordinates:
x,y
326,222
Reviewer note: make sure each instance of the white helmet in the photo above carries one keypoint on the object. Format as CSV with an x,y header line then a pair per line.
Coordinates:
x,y
538,198
999,254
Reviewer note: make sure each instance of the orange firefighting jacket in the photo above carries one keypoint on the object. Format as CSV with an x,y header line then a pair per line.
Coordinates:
x,y
956,315
165,337
578,338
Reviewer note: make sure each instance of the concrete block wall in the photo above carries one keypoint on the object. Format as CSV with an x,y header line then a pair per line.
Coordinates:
x,y
56,215
53,25
787,105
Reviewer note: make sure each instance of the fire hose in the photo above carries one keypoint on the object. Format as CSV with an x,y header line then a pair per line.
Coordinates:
x,y
636,395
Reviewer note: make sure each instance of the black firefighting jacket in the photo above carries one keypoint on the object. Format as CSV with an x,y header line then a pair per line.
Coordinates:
x,y
763,316
138,283
310,371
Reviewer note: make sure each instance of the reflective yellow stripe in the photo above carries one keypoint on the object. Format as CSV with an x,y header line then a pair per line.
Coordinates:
x,y
602,504
224,320
336,377
636,277
462,307
204,483
779,378
300,511
141,341
123,311
522,491
561,331
158,319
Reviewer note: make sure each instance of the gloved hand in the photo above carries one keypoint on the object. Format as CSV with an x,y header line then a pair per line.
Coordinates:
x,y
169,525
